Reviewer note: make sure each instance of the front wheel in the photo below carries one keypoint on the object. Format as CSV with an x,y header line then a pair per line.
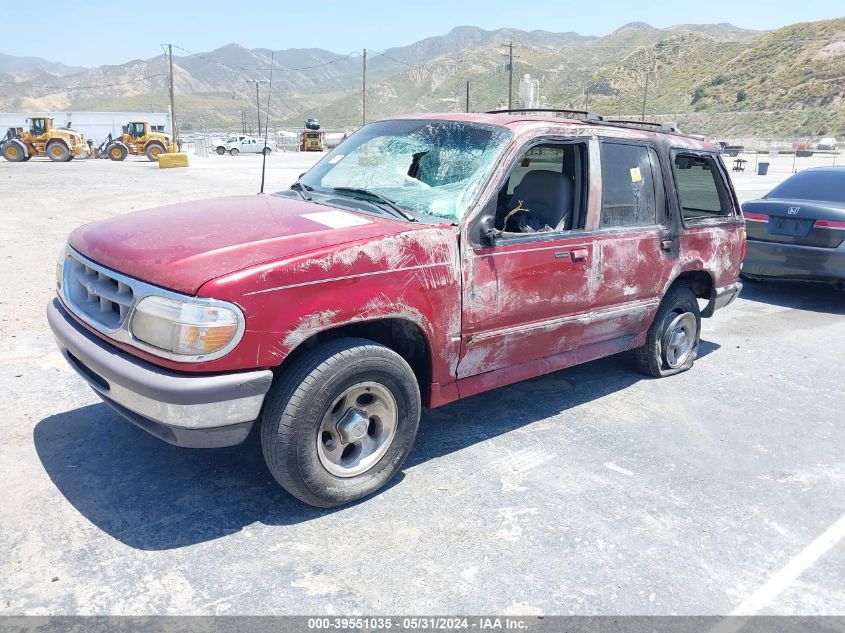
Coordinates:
x,y
266,151
58,152
152,151
673,338
117,152
340,421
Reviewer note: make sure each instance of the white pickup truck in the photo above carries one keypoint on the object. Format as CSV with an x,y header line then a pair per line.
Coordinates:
x,y
235,145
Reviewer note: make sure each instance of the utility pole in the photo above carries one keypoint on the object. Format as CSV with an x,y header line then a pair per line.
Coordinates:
x,y
510,76
467,95
645,95
258,108
172,99
364,90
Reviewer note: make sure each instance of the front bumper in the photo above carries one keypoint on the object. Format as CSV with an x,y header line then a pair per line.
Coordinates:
x,y
792,261
198,411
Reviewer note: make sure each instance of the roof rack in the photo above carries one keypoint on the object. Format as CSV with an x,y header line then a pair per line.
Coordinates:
x,y
669,127
592,117
587,116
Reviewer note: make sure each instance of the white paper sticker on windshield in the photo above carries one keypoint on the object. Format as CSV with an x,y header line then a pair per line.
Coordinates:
x,y
336,159
336,219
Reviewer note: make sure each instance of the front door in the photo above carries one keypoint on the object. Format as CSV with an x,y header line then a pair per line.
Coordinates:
x,y
520,294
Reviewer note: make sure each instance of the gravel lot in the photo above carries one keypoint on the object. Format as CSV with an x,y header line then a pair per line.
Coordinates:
x,y
589,491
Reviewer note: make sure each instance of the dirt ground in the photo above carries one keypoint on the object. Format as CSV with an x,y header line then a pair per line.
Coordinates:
x,y
589,491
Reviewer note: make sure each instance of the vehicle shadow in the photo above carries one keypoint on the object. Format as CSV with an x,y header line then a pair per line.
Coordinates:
x,y
153,496
801,295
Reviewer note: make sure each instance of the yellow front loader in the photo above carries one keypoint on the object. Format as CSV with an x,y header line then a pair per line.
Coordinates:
x,y
138,140
42,138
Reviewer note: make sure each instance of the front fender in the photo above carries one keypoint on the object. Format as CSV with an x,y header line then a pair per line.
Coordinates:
x,y
412,276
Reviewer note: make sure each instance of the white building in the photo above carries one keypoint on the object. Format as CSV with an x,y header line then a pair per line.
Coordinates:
x,y
529,93
92,125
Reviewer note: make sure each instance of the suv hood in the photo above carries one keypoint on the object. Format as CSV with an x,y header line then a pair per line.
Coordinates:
x,y
182,246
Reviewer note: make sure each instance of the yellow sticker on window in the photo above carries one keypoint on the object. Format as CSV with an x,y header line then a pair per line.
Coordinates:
x,y
636,175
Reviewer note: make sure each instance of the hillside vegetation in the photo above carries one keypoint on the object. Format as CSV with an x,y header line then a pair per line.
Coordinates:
x,y
714,79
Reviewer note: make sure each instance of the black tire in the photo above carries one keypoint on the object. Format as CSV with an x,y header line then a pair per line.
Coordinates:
x,y
117,152
57,152
294,413
152,151
655,358
220,150
266,151
234,151
14,151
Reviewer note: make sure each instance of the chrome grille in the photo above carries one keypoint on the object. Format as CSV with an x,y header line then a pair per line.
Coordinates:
x,y
93,293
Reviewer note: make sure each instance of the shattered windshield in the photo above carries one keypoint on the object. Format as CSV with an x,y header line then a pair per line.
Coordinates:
x,y
432,167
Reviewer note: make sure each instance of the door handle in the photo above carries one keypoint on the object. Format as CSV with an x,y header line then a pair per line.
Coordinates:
x,y
666,245
579,255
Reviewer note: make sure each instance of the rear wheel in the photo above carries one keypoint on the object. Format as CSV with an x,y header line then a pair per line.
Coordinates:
x,y
340,421
234,151
14,152
672,340
58,152
153,150
117,152
266,151
220,150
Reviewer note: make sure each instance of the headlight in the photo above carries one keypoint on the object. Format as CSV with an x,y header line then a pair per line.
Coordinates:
x,y
183,328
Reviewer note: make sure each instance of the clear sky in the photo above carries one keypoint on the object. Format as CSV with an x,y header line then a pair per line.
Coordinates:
x,y
95,32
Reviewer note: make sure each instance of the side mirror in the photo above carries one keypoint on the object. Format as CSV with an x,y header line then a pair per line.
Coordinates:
x,y
301,175
487,231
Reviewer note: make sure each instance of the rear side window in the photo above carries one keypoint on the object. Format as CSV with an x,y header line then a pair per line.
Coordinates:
x,y
701,192
628,194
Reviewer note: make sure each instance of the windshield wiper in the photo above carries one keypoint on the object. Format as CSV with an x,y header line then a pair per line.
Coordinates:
x,y
301,189
387,202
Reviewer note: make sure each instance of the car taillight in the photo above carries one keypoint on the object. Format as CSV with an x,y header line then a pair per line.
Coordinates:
x,y
756,217
829,224
744,237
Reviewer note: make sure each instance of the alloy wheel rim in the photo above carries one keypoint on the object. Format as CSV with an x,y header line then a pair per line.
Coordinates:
x,y
357,429
679,340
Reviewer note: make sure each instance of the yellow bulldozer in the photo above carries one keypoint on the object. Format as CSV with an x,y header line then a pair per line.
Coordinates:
x,y
42,138
138,140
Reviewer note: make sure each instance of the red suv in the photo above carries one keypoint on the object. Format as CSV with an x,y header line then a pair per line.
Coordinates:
x,y
425,259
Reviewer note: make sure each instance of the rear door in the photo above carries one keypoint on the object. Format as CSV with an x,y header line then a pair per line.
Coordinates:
x,y
634,243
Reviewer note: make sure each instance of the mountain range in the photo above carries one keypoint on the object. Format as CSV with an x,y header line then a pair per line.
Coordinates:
x,y
715,79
